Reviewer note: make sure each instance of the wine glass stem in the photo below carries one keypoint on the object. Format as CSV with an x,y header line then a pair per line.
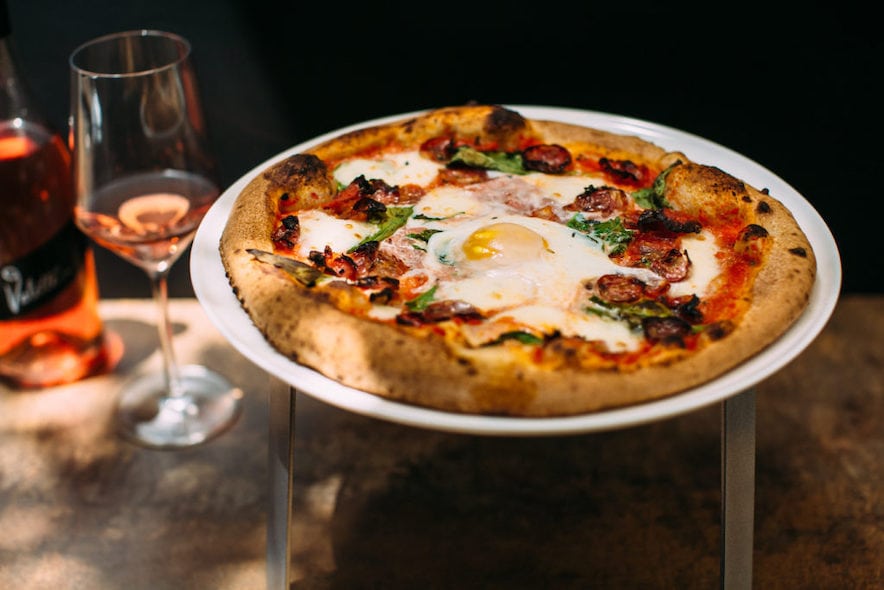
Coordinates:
x,y
160,287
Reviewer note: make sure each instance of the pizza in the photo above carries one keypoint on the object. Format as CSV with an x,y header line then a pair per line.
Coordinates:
x,y
470,259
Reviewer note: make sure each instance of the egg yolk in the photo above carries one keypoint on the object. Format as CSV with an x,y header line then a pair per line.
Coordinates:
x,y
504,242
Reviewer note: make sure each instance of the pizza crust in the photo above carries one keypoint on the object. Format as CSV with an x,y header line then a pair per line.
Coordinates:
x,y
406,365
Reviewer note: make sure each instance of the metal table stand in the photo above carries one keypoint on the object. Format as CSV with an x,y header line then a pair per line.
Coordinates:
x,y
737,488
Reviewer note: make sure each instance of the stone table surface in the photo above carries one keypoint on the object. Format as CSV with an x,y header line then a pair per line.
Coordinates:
x,y
382,505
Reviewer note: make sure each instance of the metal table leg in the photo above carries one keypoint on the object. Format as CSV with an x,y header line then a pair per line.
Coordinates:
x,y
737,490
281,445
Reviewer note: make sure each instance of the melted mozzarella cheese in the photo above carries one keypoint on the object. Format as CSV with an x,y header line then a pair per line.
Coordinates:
x,y
319,229
561,188
394,169
702,252
616,335
447,201
384,312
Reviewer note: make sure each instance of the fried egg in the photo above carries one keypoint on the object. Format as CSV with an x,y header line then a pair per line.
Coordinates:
x,y
528,268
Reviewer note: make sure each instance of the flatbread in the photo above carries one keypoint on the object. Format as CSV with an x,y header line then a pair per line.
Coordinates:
x,y
331,328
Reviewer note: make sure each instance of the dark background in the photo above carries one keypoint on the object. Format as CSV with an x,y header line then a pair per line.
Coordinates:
x,y
794,92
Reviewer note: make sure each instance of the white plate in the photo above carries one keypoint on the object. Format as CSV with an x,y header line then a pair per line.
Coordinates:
x,y
214,293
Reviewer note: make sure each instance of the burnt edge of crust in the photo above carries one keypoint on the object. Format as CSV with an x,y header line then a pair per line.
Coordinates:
x,y
503,122
304,168
721,182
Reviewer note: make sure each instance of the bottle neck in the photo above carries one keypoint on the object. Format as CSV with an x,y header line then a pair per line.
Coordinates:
x,y
15,99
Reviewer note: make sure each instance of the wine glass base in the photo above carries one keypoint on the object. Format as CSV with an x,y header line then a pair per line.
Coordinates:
x,y
149,417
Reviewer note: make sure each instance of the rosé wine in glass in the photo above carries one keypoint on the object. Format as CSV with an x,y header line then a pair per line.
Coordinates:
x,y
144,179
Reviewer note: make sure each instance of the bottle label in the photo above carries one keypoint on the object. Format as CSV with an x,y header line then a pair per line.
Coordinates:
x,y
37,277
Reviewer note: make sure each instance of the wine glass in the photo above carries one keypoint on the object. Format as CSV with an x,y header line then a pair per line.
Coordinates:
x,y
144,179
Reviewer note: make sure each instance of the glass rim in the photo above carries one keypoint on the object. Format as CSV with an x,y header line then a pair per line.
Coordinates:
x,y
174,37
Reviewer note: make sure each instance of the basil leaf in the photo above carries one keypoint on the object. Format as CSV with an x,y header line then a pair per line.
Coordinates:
x,y
613,236
581,224
598,307
653,196
631,313
423,217
393,220
523,337
421,302
425,235
647,198
500,161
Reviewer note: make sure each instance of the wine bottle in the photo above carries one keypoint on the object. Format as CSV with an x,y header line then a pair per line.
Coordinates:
x,y
50,329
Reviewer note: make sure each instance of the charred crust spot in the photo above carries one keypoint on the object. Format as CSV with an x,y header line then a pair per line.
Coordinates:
x,y
408,126
501,121
720,181
305,166
468,366
747,199
765,191
719,330
798,251
753,231
566,348
763,207
301,177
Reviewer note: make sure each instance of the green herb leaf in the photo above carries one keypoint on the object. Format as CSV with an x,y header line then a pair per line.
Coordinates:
x,y
598,307
581,223
653,196
500,161
423,217
425,235
523,337
646,198
613,236
421,302
303,273
393,220
631,313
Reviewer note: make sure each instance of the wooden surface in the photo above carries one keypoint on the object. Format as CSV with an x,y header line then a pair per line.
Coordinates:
x,y
379,505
